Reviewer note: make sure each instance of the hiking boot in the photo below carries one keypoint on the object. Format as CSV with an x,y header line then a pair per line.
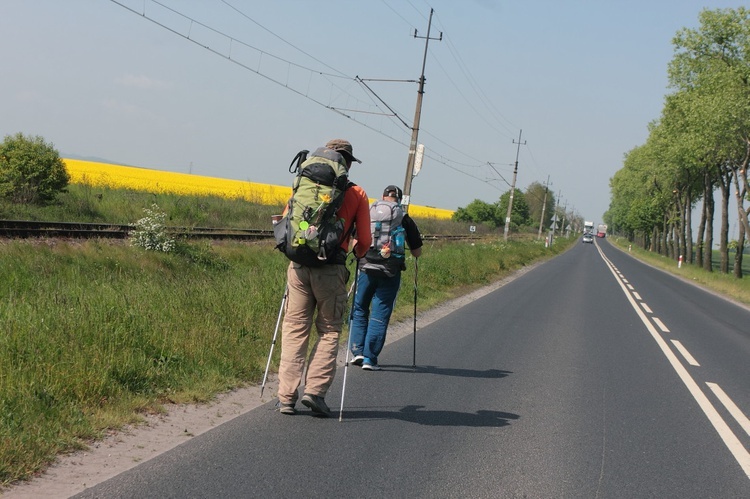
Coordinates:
x,y
371,367
317,405
287,409
357,360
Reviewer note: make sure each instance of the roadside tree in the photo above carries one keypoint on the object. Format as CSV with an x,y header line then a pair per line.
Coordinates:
x,y
478,211
31,170
519,214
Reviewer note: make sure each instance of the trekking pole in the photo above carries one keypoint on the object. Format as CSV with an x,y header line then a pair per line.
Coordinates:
x,y
349,340
414,356
273,342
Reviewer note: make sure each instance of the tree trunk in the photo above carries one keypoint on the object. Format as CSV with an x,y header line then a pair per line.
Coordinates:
x,y
741,186
680,227
688,226
739,253
701,231
725,182
709,236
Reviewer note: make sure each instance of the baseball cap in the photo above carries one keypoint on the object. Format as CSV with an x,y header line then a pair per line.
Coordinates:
x,y
342,146
393,191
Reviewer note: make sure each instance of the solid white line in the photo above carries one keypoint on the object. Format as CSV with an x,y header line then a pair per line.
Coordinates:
x,y
645,307
660,324
731,407
691,360
730,439
636,296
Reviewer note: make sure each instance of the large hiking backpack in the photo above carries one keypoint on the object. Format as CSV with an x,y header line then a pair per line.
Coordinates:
x,y
310,233
386,254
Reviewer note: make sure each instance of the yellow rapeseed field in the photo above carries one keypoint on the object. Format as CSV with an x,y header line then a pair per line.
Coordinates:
x,y
143,179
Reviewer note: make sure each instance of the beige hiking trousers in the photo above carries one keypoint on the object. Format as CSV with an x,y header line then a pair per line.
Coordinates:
x,y
310,288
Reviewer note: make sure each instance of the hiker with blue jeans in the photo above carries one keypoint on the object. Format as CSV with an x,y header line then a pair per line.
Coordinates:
x,y
380,277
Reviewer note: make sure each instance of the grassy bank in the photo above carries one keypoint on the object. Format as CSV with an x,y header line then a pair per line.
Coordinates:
x,y
84,203
725,284
96,332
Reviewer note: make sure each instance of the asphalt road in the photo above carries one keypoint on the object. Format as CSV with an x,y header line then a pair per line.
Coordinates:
x,y
575,380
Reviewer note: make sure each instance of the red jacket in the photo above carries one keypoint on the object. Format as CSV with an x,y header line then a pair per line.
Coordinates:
x,y
356,210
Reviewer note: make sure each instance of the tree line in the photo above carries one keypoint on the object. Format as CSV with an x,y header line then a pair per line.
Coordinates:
x,y
698,146
534,209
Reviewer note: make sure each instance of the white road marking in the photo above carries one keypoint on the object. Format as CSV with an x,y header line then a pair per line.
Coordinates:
x,y
691,360
731,407
730,439
637,296
630,287
645,307
660,324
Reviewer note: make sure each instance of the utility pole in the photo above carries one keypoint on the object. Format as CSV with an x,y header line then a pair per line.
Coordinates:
x,y
554,218
544,206
512,187
417,115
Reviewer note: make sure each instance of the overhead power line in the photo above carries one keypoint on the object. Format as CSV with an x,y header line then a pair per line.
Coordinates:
x,y
280,38
294,77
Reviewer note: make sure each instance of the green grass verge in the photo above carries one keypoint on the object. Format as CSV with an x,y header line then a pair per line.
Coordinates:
x,y
97,332
725,284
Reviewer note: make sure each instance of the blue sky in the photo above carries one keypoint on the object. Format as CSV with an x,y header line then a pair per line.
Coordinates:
x,y
581,79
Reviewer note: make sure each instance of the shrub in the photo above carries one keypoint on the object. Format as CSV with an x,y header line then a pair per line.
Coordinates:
x,y
150,232
31,170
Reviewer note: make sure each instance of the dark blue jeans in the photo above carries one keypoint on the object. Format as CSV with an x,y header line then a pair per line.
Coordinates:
x,y
373,305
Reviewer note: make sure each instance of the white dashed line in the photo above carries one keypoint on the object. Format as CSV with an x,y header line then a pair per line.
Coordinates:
x,y
660,324
738,450
691,360
645,307
731,406
637,296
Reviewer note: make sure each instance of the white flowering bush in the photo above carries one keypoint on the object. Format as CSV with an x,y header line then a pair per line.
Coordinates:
x,y
150,232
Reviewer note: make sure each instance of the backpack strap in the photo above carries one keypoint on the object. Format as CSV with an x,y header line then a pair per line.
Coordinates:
x,y
299,159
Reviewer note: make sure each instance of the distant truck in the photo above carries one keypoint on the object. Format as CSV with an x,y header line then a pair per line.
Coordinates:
x,y
601,230
588,227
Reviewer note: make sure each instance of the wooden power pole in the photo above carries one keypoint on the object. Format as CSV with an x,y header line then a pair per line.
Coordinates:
x,y
417,116
512,187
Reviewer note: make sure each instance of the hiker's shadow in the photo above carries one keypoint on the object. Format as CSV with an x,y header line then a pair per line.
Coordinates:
x,y
416,414
447,371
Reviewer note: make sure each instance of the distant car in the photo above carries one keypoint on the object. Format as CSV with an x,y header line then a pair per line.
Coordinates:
x,y
588,238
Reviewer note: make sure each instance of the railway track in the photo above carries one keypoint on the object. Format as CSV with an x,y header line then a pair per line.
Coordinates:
x,y
19,229
77,230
